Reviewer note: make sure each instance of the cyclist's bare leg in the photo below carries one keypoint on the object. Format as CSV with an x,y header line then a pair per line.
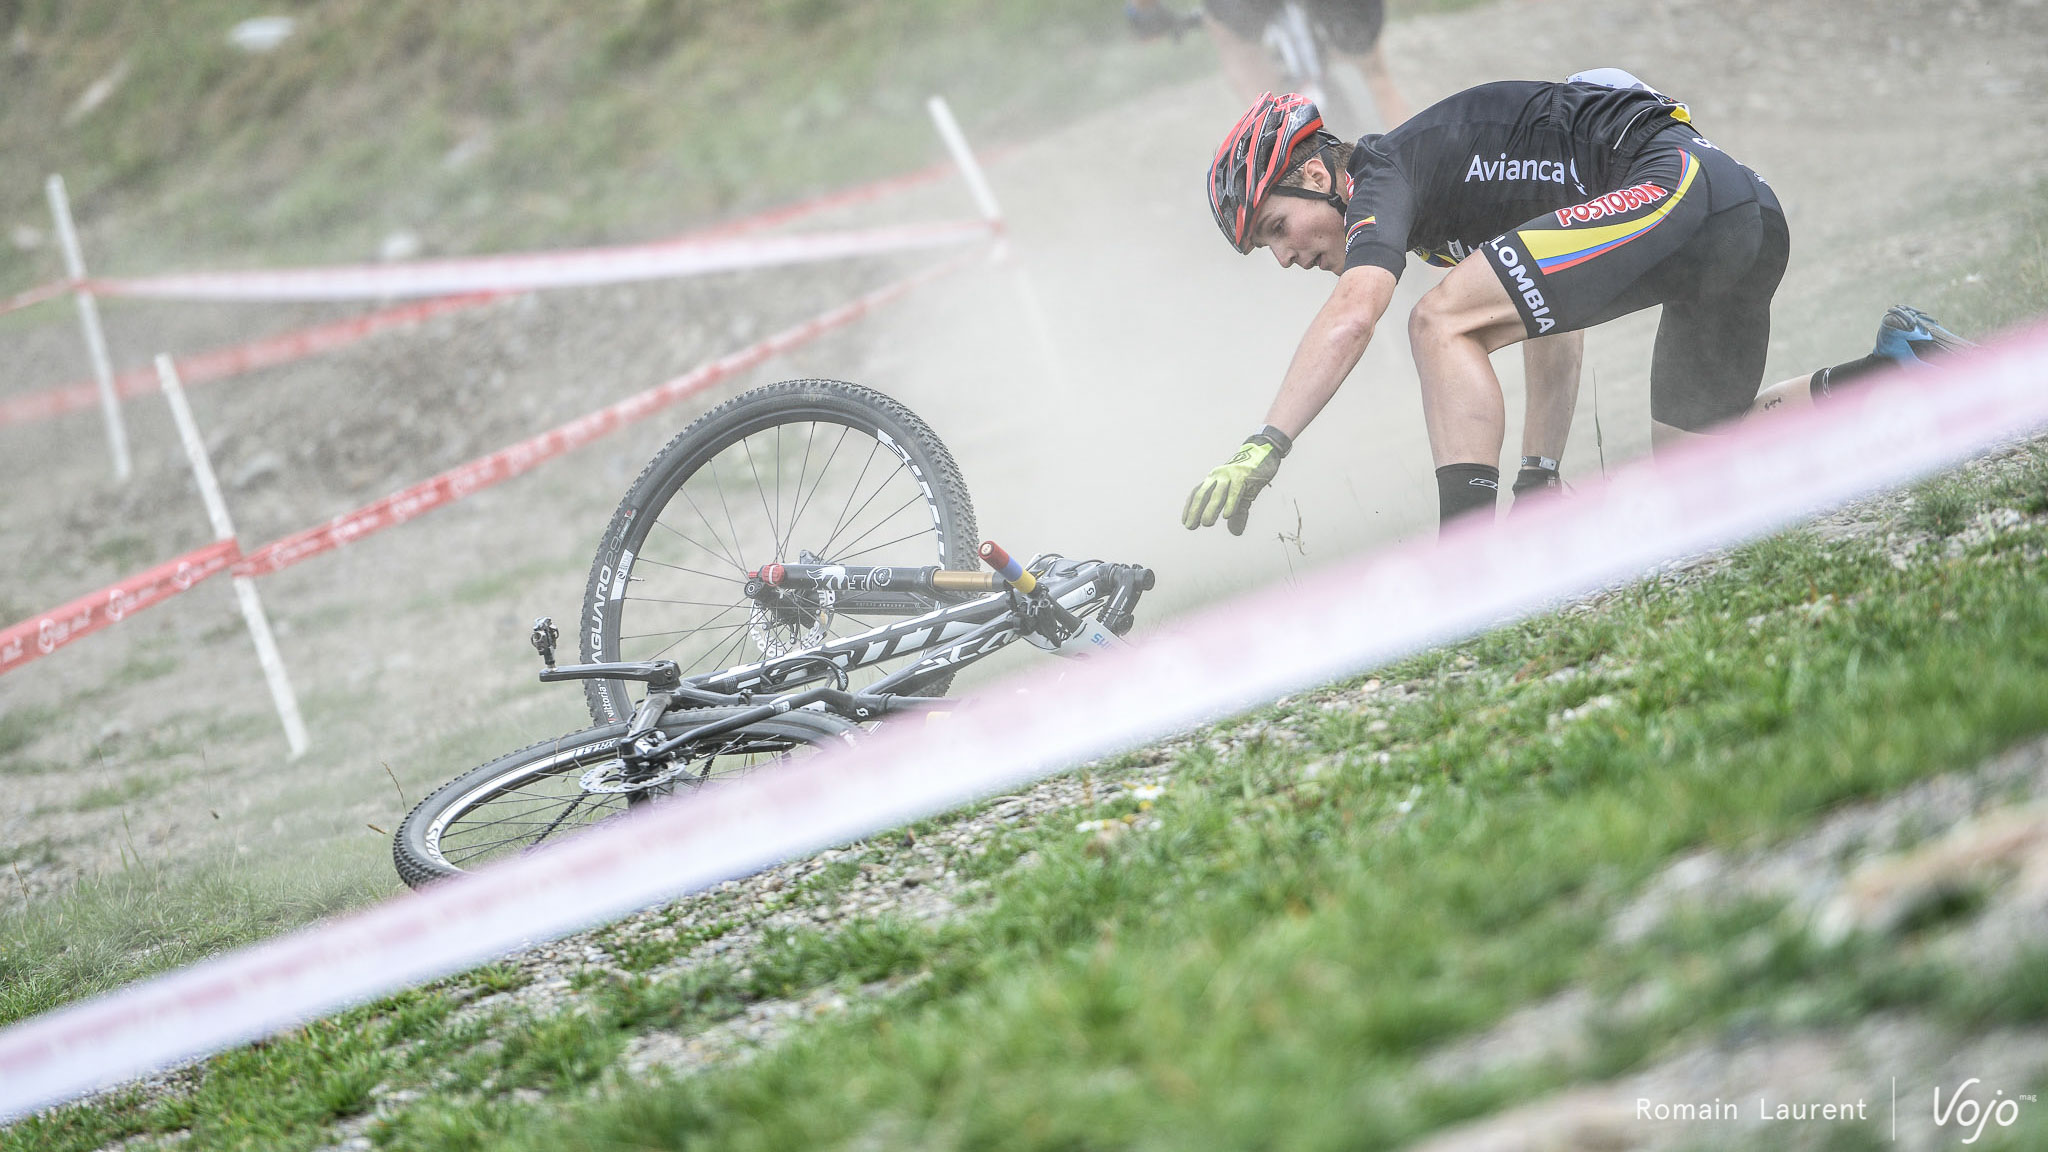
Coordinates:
x,y
1784,396
1245,62
1550,368
1454,328
1386,96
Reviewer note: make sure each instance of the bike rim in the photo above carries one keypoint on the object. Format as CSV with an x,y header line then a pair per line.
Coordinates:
x,y
542,800
837,491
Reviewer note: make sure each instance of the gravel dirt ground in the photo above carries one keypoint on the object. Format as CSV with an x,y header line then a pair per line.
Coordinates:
x,y
1890,130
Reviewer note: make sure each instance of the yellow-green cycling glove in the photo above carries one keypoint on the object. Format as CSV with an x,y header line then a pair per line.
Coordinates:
x,y
1230,488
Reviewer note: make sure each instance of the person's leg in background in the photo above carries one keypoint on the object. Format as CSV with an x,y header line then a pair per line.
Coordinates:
x,y
1235,27
1353,28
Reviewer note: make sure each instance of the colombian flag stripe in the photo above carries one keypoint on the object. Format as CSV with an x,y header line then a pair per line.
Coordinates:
x,y
1557,249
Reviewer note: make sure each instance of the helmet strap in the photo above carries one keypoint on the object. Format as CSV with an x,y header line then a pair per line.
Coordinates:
x,y
1330,196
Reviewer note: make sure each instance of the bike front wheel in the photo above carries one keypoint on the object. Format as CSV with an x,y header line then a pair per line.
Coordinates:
x,y
801,472
559,787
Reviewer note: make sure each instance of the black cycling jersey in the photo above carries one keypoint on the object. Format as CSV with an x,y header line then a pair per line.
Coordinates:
x,y
1476,164
1588,203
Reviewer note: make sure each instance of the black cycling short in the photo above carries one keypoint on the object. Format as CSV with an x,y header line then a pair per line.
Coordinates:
x,y
1351,26
1689,228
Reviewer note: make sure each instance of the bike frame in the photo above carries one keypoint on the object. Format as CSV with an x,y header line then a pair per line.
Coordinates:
x,y
961,634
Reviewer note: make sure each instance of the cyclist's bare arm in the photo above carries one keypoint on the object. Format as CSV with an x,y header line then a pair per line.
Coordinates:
x,y
1330,349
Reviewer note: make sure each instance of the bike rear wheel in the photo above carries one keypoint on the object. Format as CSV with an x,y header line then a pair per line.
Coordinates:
x,y
559,787
805,471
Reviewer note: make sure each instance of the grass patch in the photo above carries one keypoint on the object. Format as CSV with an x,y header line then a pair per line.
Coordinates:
x,y
142,668
277,1094
557,124
115,928
126,553
35,853
496,978
1942,506
130,789
498,587
20,727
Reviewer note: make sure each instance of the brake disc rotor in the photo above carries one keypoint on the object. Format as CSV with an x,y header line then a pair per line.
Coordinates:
x,y
775,638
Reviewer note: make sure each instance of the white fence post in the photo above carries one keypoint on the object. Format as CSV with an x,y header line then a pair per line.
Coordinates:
x,y
89,319
985,199
970,169
281,693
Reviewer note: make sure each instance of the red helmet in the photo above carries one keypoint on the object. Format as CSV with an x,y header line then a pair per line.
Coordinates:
x,y
1274,137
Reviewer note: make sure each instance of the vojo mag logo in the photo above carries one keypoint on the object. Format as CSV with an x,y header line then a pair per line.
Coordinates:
x,y
1963,1110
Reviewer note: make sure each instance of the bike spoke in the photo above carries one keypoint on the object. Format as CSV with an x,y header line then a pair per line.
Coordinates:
x,y
736,546
728,610
796,493
686,538
848,525
824,468
737,646
845,556
639,560
690,603
741,629
774,530
728,557
855,490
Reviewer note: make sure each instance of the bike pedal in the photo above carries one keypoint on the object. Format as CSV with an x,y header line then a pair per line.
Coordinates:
x,y
543,637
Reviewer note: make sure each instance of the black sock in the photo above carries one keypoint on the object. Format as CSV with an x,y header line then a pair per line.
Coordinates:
x,y
1829,381
1462,488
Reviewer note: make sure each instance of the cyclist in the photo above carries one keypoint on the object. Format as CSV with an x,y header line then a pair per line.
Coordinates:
x,y
1557,206
1351,29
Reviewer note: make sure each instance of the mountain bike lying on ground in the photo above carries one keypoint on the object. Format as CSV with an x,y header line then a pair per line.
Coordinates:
x,y
795,564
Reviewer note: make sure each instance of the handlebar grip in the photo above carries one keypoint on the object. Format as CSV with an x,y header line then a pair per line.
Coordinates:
x,y
945,580
993,555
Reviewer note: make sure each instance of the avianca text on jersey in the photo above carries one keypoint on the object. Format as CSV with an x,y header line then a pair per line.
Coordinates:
x,y
1551,171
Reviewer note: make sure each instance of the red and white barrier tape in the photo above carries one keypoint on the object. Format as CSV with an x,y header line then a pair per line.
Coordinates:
x,y
573,268
36,295
235,359
44,634
221,363
1343,619
846,197
41,635
825,202
506,463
